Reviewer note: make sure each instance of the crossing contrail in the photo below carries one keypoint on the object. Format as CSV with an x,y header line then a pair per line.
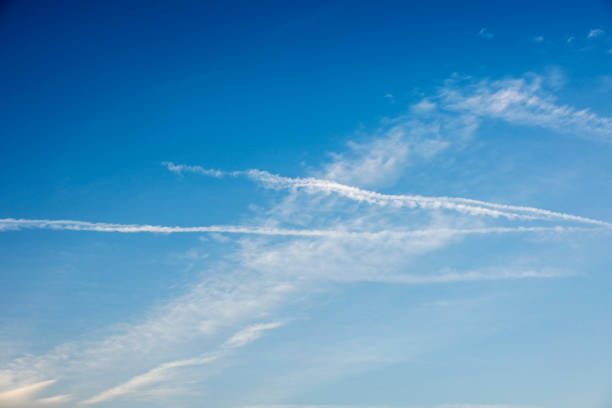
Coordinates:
x,y
462,205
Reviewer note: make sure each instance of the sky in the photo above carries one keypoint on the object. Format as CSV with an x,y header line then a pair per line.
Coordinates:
x,y
322,204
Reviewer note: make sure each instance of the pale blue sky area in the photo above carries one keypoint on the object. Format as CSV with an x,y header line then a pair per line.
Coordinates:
x,y
306,204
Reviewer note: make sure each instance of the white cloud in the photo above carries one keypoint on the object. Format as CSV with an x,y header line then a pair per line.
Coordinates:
x,y
388,260
26,396
462,205
180,169
333,239
538,39
153,376
596,32
56,400
221,302
314,185
11,224
250,334
523,101
424,106
485,33
381,161
471,276
404,142
164,371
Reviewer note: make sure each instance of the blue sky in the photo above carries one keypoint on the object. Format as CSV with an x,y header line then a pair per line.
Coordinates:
x,y
306,204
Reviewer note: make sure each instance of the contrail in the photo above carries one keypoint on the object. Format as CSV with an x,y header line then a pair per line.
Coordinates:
x,y
14,224
462,205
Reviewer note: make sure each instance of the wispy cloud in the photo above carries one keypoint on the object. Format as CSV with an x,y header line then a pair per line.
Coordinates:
x,y
164,371
396,146
26,396
385,261
485,33
462,205
498,274
188,322
153,376
179,169
10,224
332,237
595,32
523,101
250,334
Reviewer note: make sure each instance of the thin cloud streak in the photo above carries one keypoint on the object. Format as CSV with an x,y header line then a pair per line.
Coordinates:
x,y
196,169
12,224
25,396
453,277
153,376
164,371
250,334
462,205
